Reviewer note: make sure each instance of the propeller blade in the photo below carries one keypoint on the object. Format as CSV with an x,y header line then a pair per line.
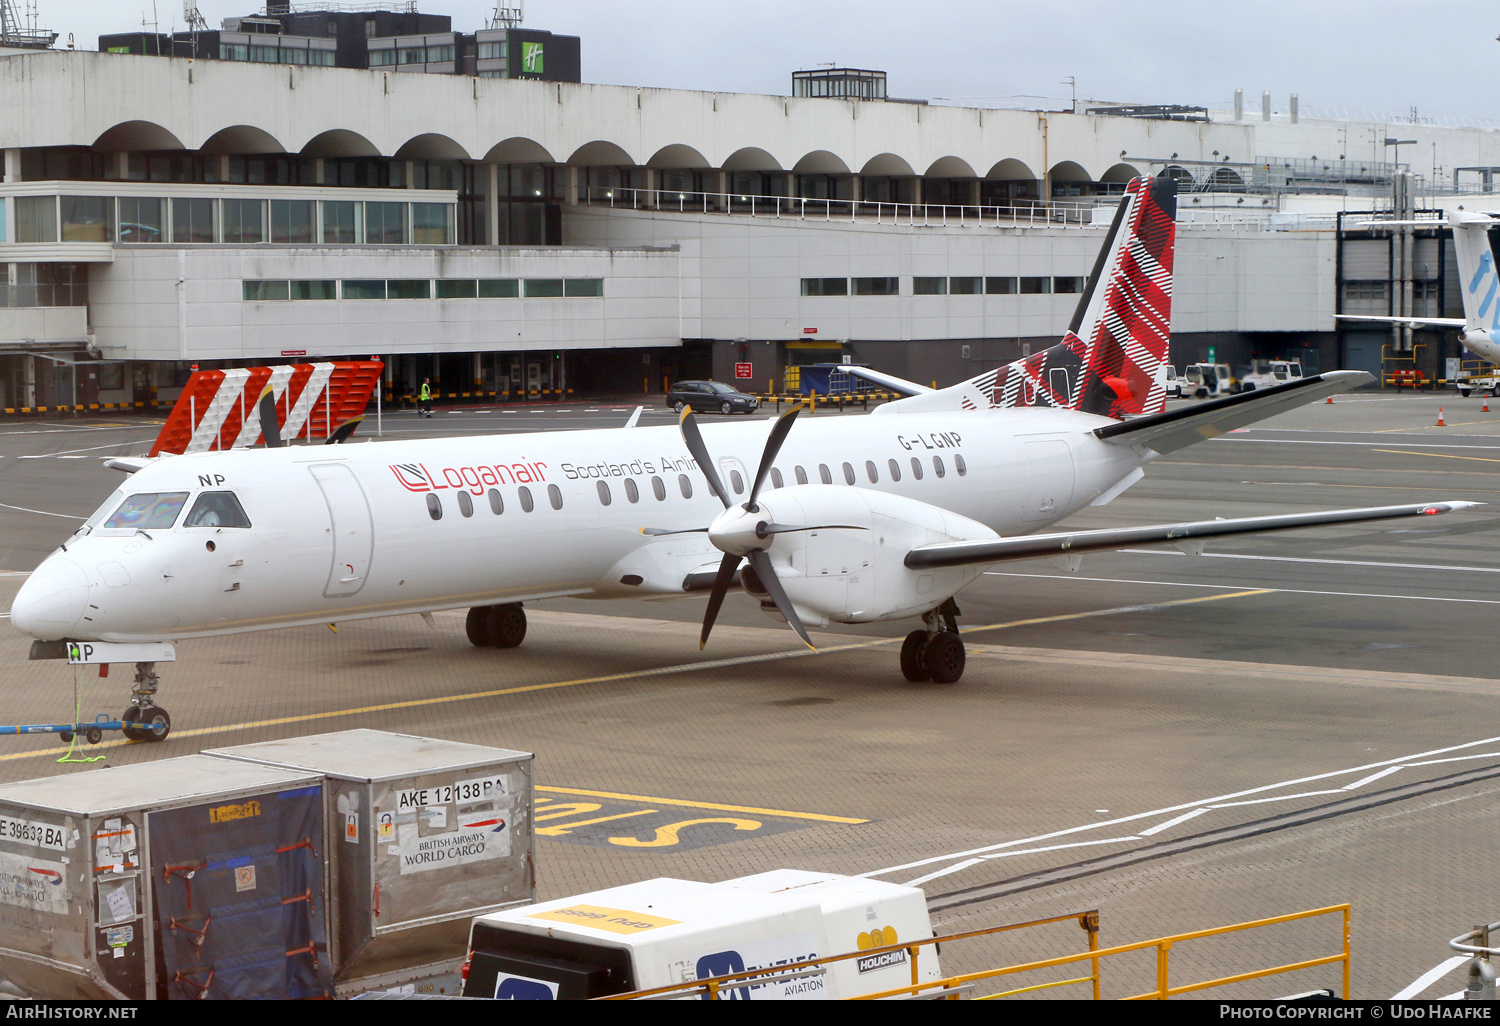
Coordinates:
x,y
761,563
774,441
657,532
270,427
695,445
766,530
727,566
340,436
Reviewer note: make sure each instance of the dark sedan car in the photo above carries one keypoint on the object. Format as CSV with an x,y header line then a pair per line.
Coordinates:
x,y
704,396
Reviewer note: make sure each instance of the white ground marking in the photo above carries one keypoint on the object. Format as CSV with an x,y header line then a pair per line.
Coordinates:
x,y
1169,824
1203,804
1306,559
1430,977
1373,441
43,512
92,448
1258,587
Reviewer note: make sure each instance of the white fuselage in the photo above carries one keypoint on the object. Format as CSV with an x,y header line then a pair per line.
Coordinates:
x,y
347,532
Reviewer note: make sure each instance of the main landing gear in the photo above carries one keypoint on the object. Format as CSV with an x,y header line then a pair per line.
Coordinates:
x,y
935,652
496,626
145,720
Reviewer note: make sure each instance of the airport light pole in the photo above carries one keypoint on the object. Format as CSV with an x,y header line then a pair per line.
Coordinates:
x,y
1398,143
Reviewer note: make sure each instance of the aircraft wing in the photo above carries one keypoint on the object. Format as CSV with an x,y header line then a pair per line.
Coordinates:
x,y
1178,428
1192,534
890,381
1415,322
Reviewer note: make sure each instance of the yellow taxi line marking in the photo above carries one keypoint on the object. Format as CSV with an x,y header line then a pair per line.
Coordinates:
x,y
563,829
711,664
818,816
1405,452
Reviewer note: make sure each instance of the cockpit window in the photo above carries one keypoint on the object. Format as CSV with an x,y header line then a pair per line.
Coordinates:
x,y
216,509
100,513
148,510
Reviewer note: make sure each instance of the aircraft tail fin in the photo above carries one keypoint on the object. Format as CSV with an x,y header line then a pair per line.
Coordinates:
x,y
1476,270
1111,361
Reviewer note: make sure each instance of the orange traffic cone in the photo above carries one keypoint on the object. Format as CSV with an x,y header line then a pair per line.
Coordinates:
x,y
1486,407
1330,400
1440,418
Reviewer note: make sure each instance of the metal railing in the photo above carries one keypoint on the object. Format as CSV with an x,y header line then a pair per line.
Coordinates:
x,y
31,296
1481,986
1162,946
711,988
1094,213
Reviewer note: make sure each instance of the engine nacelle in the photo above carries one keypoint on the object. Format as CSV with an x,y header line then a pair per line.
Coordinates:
x,y
858,576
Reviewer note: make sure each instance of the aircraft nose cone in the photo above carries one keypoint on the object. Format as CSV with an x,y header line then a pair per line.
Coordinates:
x,y
51,601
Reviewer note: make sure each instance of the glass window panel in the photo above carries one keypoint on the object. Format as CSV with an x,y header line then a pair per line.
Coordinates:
x,y
497,504
290,56
408,288
685,485
88,218
937,466
659,489
149,510
36,218
234,51
436,54
498,288
266,291
554,496
965,286
929,286
824,474
527,502
340,221
603,489
244,220
193,220
465,504
434,506
801,474
825,286
360,288
141,220
544,287
631,491
1036,286
382,58
263,54
292,222
1000,286
320,58
916,468
413,55
385,224
216,509
848,473
958,463
776,480
872,473
457,288
895,470
316,289
1070,284
877,286
584,286
431,224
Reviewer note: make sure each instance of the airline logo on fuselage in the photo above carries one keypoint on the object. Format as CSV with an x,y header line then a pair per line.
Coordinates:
x,y
415,477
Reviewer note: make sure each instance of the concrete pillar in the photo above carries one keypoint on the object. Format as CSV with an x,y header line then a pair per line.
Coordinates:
x,y
28,385
12,168
411,174
650,203
318,170
122,166
492,204
570,188
974,193
1265,106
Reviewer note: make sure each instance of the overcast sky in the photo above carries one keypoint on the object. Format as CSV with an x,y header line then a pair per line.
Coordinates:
x,y
1375,54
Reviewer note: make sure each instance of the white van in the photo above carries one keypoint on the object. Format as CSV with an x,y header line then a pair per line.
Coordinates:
x,y
665,931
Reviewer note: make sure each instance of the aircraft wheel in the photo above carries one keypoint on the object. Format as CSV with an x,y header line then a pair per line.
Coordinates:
x,y
945,657
155,724
509,625
913,657
479,625
129,718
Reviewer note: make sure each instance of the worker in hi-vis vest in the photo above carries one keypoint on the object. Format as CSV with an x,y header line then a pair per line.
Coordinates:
x,y
424,398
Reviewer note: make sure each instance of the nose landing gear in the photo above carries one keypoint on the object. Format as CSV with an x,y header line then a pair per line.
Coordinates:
x,y
144,720
936,652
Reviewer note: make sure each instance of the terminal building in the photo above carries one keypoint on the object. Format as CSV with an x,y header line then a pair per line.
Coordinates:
x,y
507,228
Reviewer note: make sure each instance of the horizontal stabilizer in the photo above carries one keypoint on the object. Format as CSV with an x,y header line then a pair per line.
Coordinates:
x,y
1064,543
890,381
128,464
1415,322
1178,428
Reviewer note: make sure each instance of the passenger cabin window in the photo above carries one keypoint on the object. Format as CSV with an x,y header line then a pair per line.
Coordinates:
x,y
895,470
465,504
149,509
216,509
937,466
659,489
434,506
872,473
497,504
801,475
776,478
824,474
554,496
685,485
604,497
631,491
736,482
848,473
916,468
527,505
958,464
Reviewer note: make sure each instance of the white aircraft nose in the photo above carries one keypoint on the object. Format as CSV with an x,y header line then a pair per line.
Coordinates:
x,y
51,601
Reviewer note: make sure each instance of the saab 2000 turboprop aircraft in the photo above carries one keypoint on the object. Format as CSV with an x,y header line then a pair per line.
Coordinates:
x,y
841,520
